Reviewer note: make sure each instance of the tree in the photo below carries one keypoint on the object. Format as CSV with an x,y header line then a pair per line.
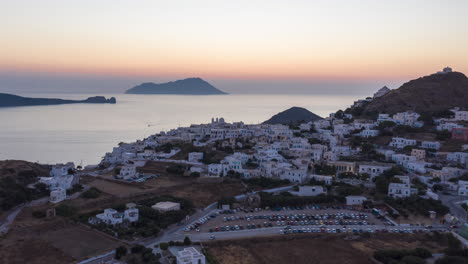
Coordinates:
x,y
437,187
137,249
187,241
163,246
339,114
443,135
386,124
120,252
412,260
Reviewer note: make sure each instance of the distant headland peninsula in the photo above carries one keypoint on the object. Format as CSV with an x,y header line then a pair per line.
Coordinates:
x,y
189,86
11,100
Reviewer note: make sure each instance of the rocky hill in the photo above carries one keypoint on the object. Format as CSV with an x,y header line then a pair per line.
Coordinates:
x,y
190,86
293,115
15,176
431,93
10,100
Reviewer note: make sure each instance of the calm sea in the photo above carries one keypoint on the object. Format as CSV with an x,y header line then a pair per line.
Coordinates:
x,y
83,133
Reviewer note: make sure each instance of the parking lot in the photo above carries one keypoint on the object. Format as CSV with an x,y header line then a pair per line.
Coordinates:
x,y
285,218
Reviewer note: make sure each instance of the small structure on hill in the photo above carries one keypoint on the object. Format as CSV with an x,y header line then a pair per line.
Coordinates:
x,y
381,92
166,206
190,256
252,200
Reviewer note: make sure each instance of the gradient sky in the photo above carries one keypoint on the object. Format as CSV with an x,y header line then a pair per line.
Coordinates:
x,y
240,45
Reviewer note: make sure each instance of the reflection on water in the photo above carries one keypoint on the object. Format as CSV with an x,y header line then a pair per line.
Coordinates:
x,y
84,132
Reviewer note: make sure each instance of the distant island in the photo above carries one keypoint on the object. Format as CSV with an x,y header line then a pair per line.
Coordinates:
x,y
190,86
11,100
293,115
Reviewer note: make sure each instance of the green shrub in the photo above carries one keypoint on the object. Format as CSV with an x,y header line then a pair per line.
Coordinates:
x,y
92,193
66,210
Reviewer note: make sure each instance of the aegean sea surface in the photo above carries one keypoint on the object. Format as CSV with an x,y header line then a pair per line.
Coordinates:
x,y
83,133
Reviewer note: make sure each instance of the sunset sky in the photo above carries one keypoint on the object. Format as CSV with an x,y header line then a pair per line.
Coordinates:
x,y
256,44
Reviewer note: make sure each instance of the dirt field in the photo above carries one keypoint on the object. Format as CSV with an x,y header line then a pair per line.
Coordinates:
x,y
55,240
310,249
201,194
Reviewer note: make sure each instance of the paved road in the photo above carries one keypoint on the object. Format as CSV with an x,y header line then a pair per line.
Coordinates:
x,y
453,203
5,227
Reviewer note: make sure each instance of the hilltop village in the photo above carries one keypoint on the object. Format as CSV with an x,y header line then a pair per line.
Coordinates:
x,y
351,172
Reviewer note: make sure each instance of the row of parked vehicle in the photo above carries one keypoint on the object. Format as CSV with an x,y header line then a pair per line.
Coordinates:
x,y
299,217
240,227
320,222
290,230
200,222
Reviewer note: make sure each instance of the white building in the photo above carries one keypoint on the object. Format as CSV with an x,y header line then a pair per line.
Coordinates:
x,y
61,169
294,175
448,126
403,179
367,133
430,145
373,169
113,217
310,191
399,190
355,200
408,118
166,206
127,172
459,157
398,142
463,188
58,195
190,256
322,178
403,159
195,156
460,115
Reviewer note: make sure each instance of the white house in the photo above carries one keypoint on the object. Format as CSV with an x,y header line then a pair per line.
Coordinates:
x,y
61,169
190,256
322,178
403,179
430,145
460,115
166,206
403,159
373,169
463,188
195,156
294,175
310,191
113,217
448,126
127,172
398,142
459,157
217,169
58,195
417,166
408,118
355,200
399,190
367,133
